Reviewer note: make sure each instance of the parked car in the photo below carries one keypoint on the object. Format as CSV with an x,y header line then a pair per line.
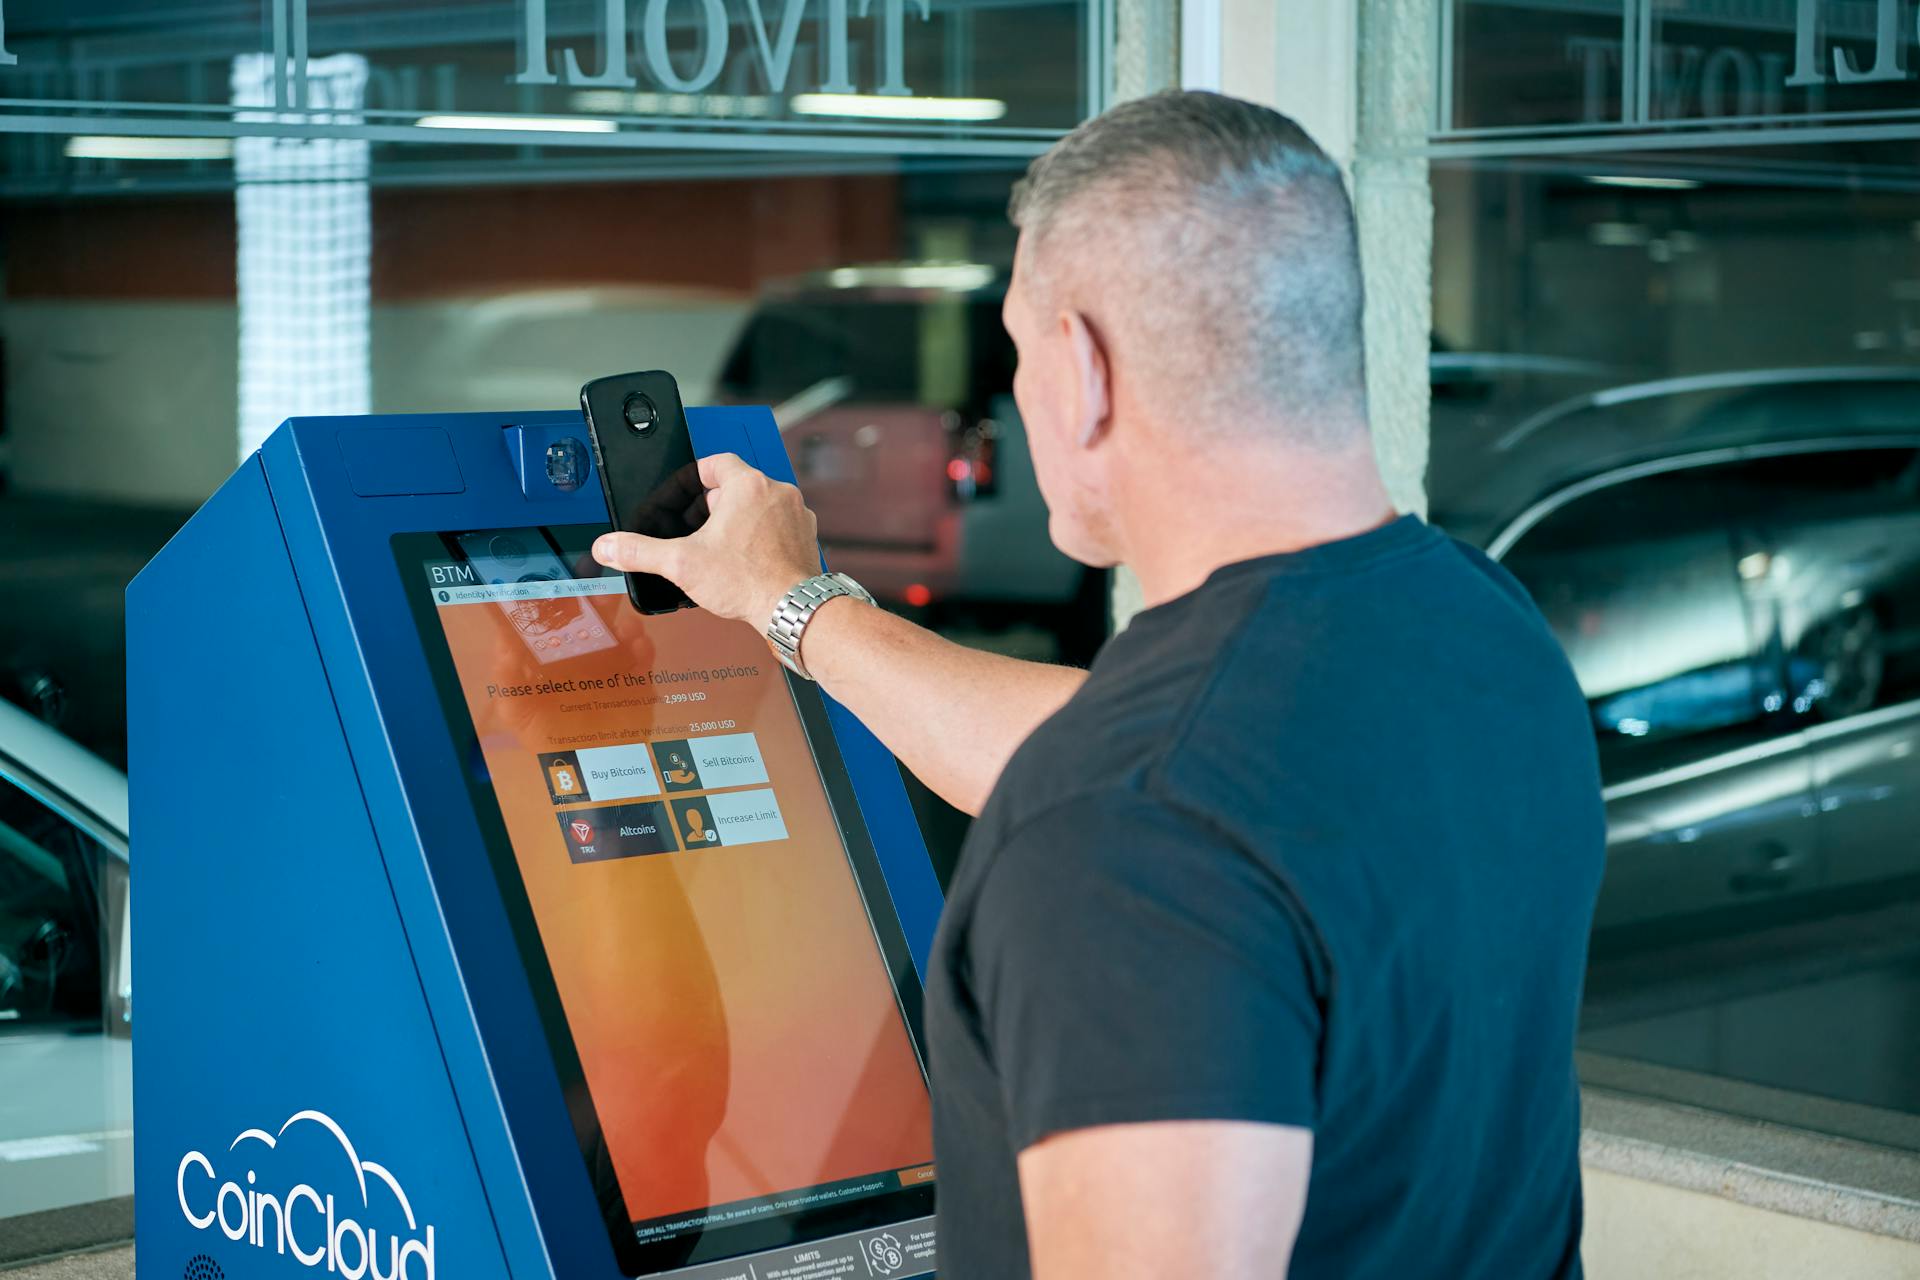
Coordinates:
x,y
1732,563
1473,391
893,387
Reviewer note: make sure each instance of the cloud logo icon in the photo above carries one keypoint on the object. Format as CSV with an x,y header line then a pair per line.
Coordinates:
x,y
361,1168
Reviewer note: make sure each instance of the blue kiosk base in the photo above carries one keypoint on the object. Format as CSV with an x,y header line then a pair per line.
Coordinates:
x,y
345,1063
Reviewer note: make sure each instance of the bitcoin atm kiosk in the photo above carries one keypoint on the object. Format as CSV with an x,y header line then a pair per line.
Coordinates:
x,y
487,928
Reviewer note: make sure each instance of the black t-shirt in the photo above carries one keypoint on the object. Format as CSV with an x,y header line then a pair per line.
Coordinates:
x,y
1317,844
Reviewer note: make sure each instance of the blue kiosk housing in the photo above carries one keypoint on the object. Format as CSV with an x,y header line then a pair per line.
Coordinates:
x,y
341,1066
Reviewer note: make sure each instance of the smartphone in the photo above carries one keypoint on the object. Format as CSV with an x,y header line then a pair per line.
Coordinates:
x,y
647,469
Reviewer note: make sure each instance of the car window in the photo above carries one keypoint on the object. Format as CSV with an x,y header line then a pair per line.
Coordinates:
x,y
789,347
54,893
949,352
1645,584
1843,571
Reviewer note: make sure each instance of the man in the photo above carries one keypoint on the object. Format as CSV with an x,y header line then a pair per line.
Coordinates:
x,y
1266,947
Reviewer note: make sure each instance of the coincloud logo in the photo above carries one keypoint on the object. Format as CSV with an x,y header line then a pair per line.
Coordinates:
x,y
316,1229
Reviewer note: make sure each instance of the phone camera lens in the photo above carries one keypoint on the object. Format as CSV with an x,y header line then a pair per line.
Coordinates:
x,y
641,413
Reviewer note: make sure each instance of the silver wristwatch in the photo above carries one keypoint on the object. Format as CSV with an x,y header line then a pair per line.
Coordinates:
x,y
796,610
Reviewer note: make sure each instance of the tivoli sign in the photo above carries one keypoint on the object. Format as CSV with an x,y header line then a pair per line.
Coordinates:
x,y
1889,47
633,36
773,28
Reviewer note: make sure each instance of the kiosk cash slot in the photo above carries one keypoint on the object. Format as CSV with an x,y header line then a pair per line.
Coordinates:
x,y
488,927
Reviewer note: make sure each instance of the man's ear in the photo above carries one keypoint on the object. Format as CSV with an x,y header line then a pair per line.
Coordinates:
x,y
1093,401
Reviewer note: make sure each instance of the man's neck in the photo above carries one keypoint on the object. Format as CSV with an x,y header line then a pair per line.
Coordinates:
x,y
1226,506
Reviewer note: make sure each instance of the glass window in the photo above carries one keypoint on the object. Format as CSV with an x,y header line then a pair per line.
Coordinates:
x,y
1722,334
468,207
1573,67
1532,64
814,220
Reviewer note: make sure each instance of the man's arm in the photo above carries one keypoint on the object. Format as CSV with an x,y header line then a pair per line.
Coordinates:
x,y
1168,1198
952,714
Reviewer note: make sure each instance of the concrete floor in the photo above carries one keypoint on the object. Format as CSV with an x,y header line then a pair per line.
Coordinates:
x,y
106,1264
66,1120
66,1152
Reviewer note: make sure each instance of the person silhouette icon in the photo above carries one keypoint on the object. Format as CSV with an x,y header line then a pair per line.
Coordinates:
x,y
697,830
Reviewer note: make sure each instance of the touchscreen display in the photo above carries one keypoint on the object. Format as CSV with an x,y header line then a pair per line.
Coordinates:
x,y
694,911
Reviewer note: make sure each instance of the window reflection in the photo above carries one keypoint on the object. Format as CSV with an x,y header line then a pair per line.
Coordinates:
x,y
1641,583
1845,571
1698,450
1716,604
426,210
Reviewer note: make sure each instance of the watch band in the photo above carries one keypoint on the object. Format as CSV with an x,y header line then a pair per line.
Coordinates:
x,y
796,610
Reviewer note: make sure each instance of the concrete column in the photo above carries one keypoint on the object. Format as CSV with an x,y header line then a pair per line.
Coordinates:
x,y
1146,59
1394,201
1358,75
1146,47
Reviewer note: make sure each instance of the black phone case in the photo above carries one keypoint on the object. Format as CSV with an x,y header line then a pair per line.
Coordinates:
x,y
635,468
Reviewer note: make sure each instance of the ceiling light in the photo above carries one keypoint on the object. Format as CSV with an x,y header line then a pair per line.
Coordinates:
x,y
1652,184
105,147
1618,235
961,277
888,107
616,102
520,124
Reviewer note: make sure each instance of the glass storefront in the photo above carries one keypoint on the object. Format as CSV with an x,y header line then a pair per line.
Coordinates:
x,y
217,215
1676,389
1675,380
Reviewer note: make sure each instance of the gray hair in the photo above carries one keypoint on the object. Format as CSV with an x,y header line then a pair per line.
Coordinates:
x,y
1237,257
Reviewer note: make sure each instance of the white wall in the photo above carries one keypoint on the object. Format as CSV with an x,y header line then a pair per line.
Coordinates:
x,y
137,401
128,400
446,356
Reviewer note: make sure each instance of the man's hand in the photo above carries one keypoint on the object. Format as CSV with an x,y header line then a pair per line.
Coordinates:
x,y
759,542
952,715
